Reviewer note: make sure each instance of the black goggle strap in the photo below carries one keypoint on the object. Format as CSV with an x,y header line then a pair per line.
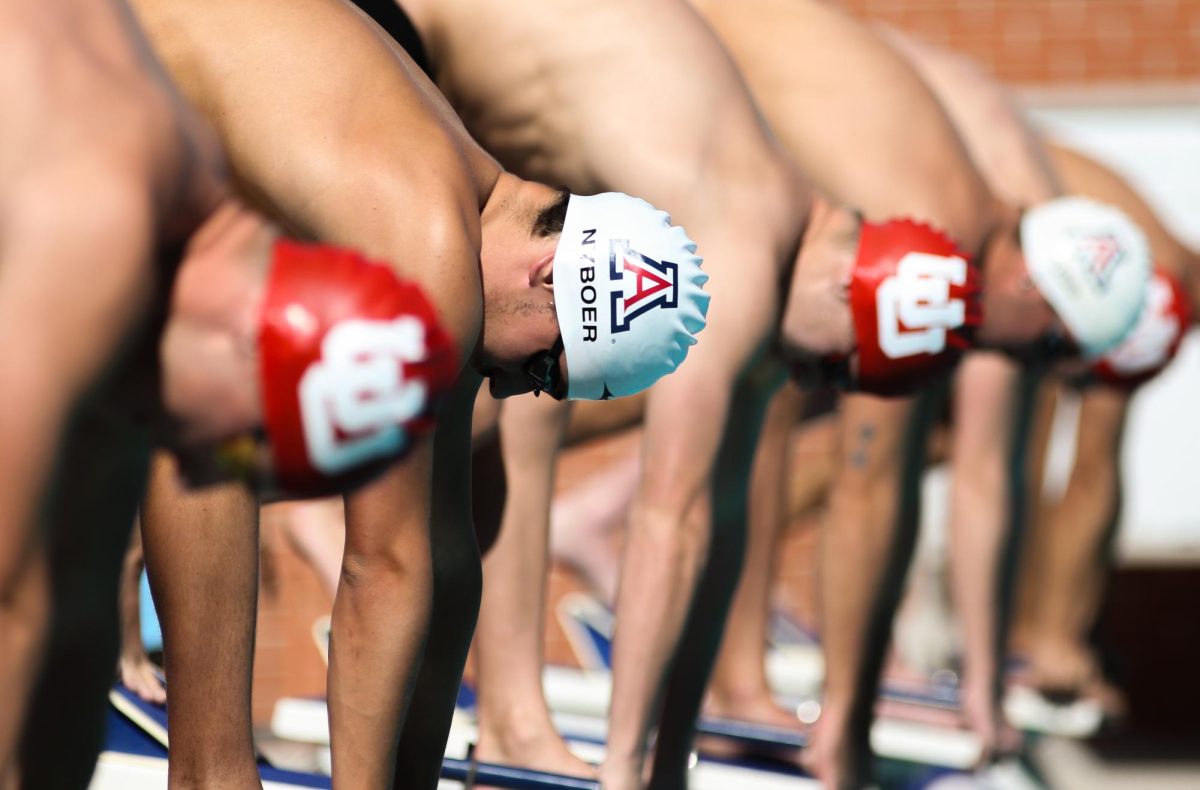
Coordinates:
x,y
542,369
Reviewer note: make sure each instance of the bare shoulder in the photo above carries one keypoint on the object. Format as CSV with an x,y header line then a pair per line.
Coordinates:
x,y
553,89
848,109
335,132
88,108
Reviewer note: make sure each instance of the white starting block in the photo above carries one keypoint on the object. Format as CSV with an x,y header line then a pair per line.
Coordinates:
x,y
306,721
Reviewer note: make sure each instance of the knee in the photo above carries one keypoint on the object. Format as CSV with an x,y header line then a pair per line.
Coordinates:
x,y
384,568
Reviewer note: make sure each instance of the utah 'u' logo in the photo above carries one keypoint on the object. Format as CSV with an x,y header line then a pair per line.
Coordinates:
x,y
640,284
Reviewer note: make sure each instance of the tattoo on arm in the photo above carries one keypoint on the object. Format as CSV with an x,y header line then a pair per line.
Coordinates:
x,y
866,433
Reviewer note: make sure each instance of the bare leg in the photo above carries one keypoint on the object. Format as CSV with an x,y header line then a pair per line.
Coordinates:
x,y
134,667
739,686
202,557
1029,582
514,721
317,532
1073,562
812,463
584,520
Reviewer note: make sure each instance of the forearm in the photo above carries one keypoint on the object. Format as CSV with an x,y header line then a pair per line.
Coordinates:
x,y
380,623
978,519
857,538
861,534
661,565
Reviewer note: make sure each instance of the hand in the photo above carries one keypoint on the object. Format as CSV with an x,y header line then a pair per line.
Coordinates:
x,y
982,713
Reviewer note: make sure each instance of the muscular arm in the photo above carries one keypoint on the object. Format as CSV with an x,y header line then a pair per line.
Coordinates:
x,y
671,516
858,539
717,583
380,619
979,517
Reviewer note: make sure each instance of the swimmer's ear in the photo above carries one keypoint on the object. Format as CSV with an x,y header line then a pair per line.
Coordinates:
x,y
542,274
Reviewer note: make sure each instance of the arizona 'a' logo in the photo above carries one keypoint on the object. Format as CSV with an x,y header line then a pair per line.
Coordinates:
x,y
1102,254
640,284
915,307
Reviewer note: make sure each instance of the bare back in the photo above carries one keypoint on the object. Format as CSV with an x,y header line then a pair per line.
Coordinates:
x,y
628,94
85,100
336,132
1083,175
860,123
1004,147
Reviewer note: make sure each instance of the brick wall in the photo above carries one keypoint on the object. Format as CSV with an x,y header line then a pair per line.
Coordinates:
x,y
1060,42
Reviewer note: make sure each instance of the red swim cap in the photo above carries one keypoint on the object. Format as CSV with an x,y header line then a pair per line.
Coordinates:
x,y
916,300
353,363
1155,338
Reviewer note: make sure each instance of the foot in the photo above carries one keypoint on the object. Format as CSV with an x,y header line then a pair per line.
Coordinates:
x,y
545,752
756,709
1066,670
759,708
141,677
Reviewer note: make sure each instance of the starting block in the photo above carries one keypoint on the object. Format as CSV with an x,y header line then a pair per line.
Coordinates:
x,y
135,757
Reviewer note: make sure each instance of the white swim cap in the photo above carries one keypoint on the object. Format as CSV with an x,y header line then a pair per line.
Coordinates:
x,y
1092,264
627,290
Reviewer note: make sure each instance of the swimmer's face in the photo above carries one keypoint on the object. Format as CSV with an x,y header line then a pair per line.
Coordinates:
x,y
522,345
208,353
209,349
817,321
1017,319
